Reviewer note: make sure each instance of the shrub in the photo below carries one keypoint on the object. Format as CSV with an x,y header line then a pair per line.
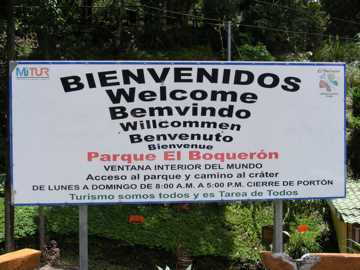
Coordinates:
x,y
301,243
231,230
353,74
355,96
353,117
25,224
333,51
228,230
258,52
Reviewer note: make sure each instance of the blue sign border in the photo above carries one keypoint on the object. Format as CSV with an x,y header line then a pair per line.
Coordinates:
x,y
76,62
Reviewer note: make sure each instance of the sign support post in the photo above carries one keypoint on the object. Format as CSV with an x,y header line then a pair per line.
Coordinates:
x,y
83,237
277,244
278,204
228,25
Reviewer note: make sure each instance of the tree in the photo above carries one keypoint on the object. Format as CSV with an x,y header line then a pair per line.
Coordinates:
x,y
222,11
344,17
10,55
285,26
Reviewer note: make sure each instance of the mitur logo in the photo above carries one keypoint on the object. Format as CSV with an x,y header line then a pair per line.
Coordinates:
x,y
329,82
32,72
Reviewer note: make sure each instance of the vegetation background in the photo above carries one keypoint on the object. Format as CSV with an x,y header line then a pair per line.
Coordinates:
x,y
215,236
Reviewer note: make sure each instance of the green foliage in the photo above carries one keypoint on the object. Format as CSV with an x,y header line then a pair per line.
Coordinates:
x,y
310,241
353,74
2,184
25,221
355,246
335,50
25,225
353,117
302,243
198,53
353,133
253,53
284,29
355,95
353,125
227,9
296,57
245,223
344,16
231,230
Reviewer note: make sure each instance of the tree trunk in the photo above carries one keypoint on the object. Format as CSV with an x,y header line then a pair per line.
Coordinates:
x,y
41,228
119,30
10,31
183,258
9,209
86,12
44,44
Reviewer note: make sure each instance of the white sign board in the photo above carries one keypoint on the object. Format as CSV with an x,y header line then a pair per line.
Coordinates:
x,y
162,132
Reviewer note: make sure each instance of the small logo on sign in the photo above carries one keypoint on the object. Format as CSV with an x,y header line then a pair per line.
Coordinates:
x,y
329,82
32,73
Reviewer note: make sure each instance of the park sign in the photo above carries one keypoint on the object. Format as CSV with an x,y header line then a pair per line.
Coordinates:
x,y
176,132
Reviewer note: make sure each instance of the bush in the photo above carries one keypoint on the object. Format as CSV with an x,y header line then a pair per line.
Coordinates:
x,y
333,51
296,57
354,145
258,52
312,215
353,117
231,230
302,243
25,225
353,74
355,96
